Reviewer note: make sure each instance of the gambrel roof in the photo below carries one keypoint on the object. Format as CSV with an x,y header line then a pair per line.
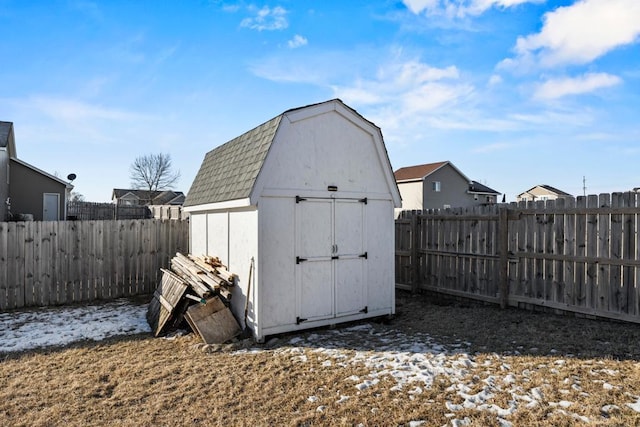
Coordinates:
x,y
229,172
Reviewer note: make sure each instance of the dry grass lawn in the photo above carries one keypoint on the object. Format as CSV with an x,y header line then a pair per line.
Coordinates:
x,y
550,370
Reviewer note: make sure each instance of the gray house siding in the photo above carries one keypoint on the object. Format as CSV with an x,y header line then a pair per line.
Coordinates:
x,y
453,190
24,200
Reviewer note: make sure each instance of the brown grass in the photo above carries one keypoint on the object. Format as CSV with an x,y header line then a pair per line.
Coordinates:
x,y
144,381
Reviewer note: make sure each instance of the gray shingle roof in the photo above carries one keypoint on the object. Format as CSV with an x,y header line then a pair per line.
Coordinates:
x,y
476,187
229,171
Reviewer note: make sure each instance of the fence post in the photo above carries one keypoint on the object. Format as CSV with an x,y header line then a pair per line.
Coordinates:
x,y
503,248
415,252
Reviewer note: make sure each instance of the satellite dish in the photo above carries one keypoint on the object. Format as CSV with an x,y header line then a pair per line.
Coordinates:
x,y
71,176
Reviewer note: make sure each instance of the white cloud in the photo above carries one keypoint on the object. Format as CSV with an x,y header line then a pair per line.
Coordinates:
x,y
579,34
557,88
267,19
495,79
460,8
297,41
76,111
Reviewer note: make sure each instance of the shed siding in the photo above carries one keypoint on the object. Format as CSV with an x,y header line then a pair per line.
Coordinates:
x,y
242,246
198,238
380,249
276,247
218,236
324,150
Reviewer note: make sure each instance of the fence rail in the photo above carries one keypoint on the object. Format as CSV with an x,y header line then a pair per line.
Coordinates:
x,y
579,255
62,262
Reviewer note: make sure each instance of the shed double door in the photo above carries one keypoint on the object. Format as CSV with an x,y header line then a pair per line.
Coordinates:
x,y
330,261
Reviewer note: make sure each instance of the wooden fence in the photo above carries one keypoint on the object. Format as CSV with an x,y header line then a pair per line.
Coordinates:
x,y
62,262
90,211
579,255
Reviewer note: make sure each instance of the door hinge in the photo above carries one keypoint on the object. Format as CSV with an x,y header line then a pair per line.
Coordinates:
x,y
365,310
299,260
335,257
363,200
300,199
365,255
299,320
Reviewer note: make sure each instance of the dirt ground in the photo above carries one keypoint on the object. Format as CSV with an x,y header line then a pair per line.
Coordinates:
x,y
436,363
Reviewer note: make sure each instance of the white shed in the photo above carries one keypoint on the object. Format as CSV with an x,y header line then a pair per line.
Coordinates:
x,y
310,197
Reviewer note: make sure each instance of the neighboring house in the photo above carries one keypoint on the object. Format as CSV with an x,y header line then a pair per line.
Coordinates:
x,y
27,190
543,192
438,186
129,197
309,195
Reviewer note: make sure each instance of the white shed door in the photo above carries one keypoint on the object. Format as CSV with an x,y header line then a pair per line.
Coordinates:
x,y
330,260
315,274
349,265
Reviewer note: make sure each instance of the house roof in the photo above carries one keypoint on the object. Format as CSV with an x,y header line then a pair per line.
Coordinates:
x,y
164,197
549,189
229,172
476,187
417,172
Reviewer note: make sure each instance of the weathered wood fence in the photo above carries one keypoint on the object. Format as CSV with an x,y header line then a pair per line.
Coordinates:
x,y
62,262
579,255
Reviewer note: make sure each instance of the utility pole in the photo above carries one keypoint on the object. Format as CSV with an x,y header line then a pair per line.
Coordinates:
x,y
584,186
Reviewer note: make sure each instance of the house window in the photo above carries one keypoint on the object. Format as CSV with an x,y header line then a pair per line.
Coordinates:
x,y
436,186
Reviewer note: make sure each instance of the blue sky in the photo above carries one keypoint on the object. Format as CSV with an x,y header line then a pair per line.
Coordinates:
x,y
514,92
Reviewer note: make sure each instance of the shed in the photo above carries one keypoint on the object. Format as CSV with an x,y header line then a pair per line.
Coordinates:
x,y
301,209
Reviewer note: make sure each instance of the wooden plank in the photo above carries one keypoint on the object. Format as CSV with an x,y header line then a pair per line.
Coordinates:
x,y
628,252
4,265
539,284
503,239
214,324
616,299
47,284
13,261
29,296
569,250
21,257
559,243
166,298
580,251
604,240
549,219
592,252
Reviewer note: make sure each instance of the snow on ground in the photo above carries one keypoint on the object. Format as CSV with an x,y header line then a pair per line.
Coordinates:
x,y
47,327
412,361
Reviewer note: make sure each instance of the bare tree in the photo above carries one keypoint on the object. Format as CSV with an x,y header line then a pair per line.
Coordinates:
x,y
153,172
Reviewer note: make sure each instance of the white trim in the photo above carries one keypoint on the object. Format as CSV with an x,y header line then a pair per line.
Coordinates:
x,y
227,204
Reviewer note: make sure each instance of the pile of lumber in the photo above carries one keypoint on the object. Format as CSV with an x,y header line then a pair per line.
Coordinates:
x,y
196,289
206,275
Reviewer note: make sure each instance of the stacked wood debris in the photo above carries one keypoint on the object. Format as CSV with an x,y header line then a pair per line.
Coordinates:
x,y
196,289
